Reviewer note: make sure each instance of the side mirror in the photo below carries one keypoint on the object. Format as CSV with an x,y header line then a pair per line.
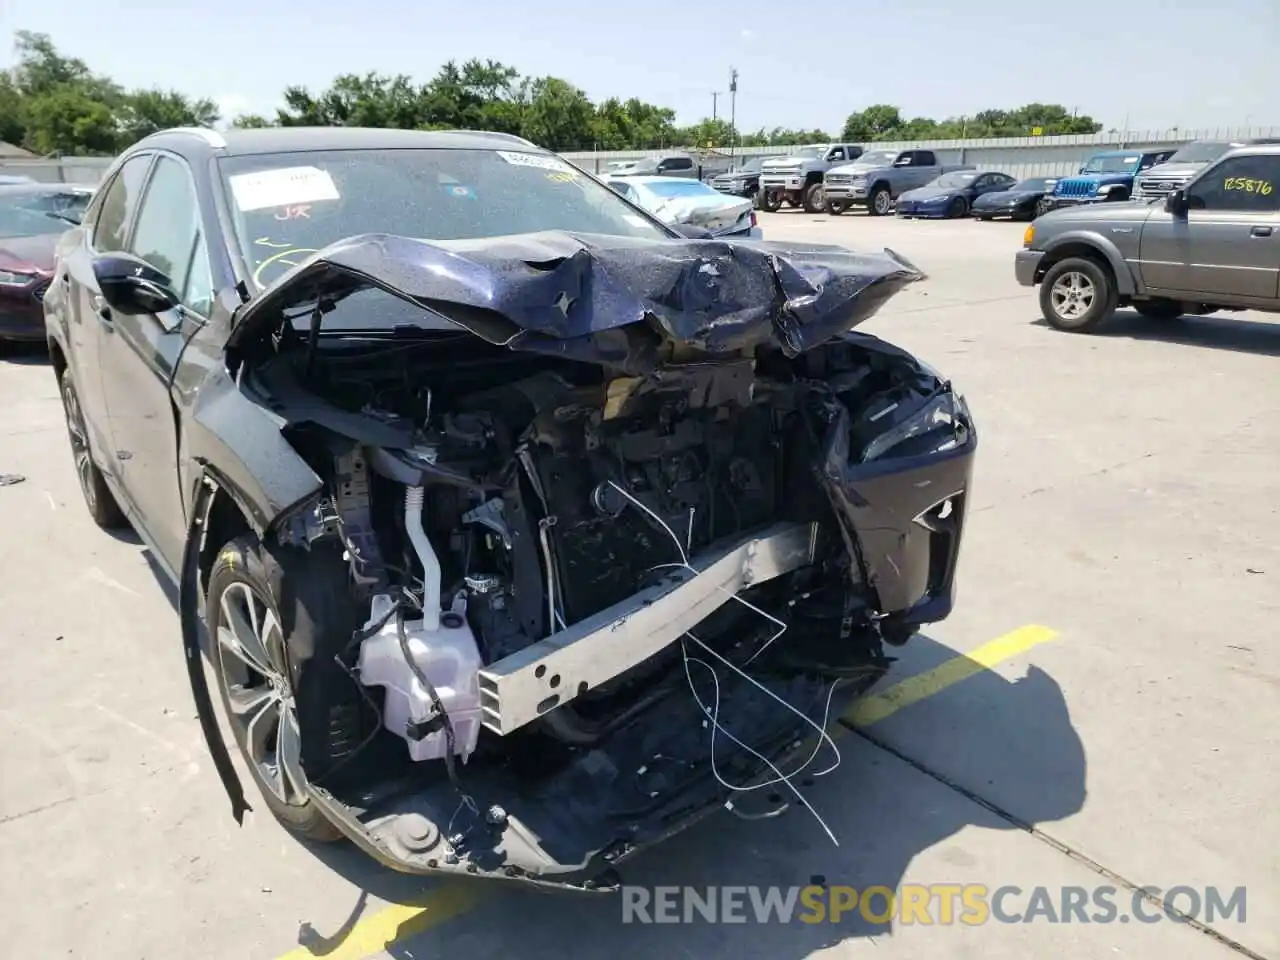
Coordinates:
x,y
1176,203
132,286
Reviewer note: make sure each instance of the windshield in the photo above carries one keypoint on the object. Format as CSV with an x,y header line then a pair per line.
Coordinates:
x,y
680,188
753,165
28,213
954,180
647,165
877,158
1202,151
289,205
1034,185
1116,163
809,153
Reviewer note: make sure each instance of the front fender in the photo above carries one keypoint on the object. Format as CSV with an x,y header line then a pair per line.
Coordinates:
x,y
238,442
1062,245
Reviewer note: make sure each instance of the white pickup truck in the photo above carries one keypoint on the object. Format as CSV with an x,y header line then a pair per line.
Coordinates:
x,y
797,178
878,177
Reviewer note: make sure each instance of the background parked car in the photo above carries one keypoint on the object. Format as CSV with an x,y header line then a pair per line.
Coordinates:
x,y
1178,170
670,165
742,181
952,194
1212,245
878,177
1021,201
797,178
677,200
32,217
1106,177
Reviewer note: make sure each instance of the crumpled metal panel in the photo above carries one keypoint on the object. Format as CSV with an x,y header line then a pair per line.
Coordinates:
x,y
521,291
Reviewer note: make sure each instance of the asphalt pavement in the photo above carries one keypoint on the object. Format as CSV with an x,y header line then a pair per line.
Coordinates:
x,y
1101,711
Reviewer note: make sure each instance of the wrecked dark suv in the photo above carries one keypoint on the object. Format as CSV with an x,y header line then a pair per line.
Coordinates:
x,y
517,531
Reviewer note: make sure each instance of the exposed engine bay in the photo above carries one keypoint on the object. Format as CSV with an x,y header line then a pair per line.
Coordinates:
x,y
601,598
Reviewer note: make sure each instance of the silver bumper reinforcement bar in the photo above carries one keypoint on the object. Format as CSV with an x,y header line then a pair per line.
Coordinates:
x,y
522,687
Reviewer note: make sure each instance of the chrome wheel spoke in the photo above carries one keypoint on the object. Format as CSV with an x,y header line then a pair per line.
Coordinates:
x,y
238,635
289,756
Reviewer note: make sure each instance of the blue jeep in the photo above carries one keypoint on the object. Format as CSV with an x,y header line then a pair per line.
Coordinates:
x,y
1106,177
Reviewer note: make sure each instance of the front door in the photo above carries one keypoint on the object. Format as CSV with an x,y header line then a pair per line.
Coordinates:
x,y
88,329
138,362
1227,245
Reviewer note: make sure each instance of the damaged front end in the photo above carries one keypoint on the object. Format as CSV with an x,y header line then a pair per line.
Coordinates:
x,y
622,519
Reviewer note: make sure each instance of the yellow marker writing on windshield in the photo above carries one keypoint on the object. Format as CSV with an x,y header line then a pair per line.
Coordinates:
x,y
284,258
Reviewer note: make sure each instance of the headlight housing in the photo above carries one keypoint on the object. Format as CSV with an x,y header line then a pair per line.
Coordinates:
x,y
942,423
11,278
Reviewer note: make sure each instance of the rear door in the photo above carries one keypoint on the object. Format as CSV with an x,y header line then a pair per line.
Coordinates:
x,y
139,359
1227,246
104,230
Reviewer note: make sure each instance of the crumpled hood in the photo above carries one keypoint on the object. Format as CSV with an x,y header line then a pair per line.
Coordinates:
x,y
570,294
715,212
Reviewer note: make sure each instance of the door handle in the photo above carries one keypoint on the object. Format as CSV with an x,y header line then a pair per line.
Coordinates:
x,y
1260,232
103,313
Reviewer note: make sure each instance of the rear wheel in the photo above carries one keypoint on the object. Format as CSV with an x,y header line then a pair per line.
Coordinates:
x,y
1077,294
1159,309
814,198
98,497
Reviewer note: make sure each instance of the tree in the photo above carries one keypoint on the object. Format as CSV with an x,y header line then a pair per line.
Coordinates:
x,y
146,111
559,115
68,121
872,123
250,121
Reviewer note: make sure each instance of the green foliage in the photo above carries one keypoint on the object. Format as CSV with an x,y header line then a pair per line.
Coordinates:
x,y
50,103
884,122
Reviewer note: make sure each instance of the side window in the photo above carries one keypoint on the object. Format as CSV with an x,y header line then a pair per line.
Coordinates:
x,y
983,182
118,204
1240,185
905,159
168,235
925,158
677,163
835,153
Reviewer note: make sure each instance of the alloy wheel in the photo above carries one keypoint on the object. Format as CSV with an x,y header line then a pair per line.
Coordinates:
x,y
260,700
882,202
1072,295
79,437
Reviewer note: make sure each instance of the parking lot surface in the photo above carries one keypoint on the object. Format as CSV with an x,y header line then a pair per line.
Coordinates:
x,y
1110,679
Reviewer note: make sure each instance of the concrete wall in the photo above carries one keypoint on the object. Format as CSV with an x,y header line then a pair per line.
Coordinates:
x,y
1019,157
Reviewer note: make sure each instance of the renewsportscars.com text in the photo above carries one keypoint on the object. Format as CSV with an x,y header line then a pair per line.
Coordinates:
x,y
942,904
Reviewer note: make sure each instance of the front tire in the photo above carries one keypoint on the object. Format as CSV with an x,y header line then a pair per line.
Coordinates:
x,y
98,497
814,198
880,202
269,615
769,200
957,207
1043,206
1077,294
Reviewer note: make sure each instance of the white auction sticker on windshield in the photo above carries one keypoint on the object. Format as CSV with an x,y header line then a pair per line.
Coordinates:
x,y
282,188
536,160
635,221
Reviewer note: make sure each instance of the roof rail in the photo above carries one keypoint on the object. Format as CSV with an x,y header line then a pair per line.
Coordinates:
x,y
494,133
211,137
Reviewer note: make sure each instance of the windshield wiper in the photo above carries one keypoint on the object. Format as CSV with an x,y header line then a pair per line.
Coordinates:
x,y
63,216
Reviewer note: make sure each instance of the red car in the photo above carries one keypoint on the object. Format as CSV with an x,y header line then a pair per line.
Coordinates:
x,y
32,217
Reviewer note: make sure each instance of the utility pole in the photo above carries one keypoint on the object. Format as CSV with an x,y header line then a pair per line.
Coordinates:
x,y
715,96
733,112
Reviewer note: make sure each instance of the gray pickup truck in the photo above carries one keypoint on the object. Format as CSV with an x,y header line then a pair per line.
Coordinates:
x,y
797,178
878,177
1211,245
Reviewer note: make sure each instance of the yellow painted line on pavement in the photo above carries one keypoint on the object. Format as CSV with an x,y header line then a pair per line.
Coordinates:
x,y
453,898
878,706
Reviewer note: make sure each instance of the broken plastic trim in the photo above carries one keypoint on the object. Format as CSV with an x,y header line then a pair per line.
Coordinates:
x,y
521,687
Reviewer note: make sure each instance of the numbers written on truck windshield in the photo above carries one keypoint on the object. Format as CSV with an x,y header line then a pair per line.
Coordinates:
x,y
1248,185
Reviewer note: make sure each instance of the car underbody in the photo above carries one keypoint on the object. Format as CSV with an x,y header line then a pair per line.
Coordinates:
x,y
612,533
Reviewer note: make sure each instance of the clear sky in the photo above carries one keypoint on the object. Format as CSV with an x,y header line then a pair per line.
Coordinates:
x,y
1190,63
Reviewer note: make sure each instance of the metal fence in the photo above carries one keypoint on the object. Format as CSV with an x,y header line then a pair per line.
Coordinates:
x,y
1017,156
